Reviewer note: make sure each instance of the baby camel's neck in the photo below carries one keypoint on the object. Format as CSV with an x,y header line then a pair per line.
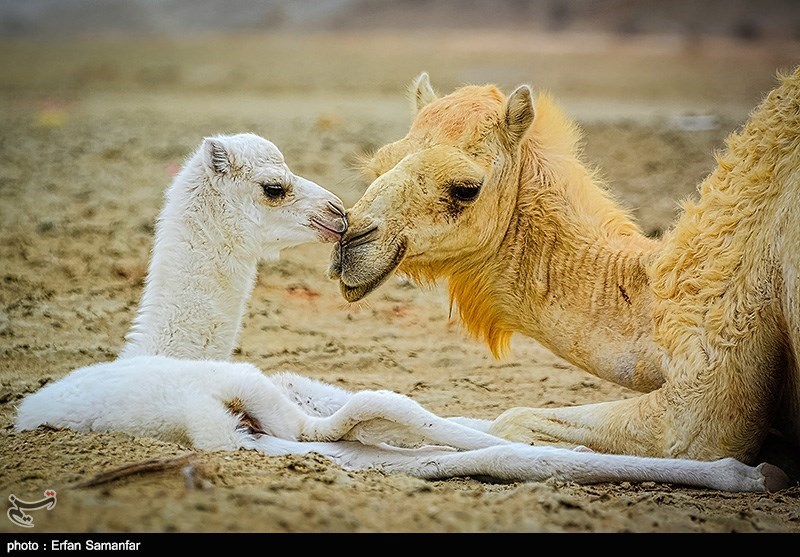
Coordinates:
x,y
200,278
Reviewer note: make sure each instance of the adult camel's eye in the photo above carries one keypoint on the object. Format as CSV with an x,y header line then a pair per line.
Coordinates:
x,y
273,191
465,191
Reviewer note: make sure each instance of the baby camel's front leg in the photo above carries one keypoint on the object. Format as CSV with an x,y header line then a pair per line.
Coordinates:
x,y
378,417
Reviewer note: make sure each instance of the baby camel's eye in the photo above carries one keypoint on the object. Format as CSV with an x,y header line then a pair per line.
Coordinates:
x,y
465,191
273,191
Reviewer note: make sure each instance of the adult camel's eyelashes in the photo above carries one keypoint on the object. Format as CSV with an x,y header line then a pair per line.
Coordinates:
x,y
465,191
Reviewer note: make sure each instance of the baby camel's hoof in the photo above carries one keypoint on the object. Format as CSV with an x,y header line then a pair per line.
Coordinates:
x,y
775,479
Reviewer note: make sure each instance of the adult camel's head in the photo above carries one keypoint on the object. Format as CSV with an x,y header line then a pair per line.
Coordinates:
x,y
441,197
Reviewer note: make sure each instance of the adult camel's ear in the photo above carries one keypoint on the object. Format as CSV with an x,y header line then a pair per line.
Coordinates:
x,y
519,114
216,156
421,92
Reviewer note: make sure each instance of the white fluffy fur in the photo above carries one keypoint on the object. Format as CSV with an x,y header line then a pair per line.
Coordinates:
x,y
215,226
185,401
213,229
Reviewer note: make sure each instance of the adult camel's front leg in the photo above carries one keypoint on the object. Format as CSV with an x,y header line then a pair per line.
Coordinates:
x,y
694,419
633,426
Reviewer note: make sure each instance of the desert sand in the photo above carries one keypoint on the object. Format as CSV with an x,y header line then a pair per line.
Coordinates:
x,y
92,132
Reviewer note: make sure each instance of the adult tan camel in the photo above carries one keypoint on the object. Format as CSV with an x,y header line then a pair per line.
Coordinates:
x,y
489,191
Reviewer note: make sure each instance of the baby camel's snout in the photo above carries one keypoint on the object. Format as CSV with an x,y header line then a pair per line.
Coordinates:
x,y
331,222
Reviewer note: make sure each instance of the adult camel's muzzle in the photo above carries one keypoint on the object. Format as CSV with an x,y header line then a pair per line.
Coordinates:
x,y
364,258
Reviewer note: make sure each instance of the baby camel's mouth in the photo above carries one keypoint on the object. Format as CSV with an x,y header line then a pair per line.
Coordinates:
x,y
327,230
331,225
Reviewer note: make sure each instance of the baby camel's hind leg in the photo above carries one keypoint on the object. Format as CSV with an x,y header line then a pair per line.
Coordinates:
x,y
212,426
242,403
517,462
375,417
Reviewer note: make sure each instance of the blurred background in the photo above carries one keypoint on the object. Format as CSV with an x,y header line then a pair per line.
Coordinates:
x,y
744,19
327,79
580,48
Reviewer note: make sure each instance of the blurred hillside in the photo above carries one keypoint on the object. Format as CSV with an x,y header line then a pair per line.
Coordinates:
x,y
745,19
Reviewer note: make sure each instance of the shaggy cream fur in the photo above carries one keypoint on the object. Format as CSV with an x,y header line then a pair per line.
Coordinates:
x,y
490,192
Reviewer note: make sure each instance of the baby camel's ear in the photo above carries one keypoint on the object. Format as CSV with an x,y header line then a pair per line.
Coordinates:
x,y
519,114
422,94
216,156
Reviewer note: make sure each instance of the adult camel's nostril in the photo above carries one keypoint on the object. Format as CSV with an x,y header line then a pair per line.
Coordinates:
x,y
352,238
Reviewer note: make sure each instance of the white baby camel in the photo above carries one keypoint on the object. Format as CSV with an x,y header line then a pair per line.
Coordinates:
x,y
234,203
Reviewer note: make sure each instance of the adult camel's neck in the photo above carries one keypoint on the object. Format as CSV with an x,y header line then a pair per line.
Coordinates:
x,y
200,278
571,273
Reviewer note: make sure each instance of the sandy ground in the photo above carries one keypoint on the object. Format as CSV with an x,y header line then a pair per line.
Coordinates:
x,y
90,135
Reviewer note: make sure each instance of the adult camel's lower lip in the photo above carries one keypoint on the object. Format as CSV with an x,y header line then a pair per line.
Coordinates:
x,y
353,292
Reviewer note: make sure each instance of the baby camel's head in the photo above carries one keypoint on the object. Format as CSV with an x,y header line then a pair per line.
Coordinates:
x,y
275,208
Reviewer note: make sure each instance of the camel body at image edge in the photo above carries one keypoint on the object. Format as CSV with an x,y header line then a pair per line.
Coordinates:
x,y
489,192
